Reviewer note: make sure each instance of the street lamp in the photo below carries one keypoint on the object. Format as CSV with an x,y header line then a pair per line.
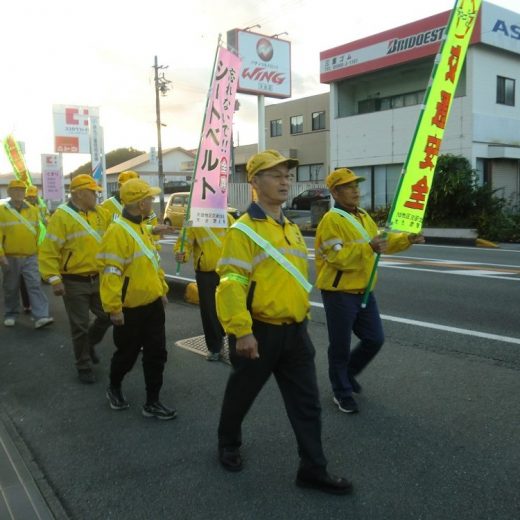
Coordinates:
x,y
162,85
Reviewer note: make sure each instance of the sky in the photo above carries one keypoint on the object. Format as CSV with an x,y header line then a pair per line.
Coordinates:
x,y
101,53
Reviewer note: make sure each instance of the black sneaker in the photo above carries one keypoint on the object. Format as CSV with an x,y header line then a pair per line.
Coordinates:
x,y
347,404
116,399
159,411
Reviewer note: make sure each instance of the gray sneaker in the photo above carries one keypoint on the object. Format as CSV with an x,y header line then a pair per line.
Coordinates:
x,y
213,356
159,411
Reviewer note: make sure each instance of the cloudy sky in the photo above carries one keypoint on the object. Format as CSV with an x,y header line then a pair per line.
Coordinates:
x,y
100,53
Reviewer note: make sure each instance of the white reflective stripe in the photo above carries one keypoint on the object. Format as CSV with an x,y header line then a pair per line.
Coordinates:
x,y
353,220
77,234
331,243
54,238
274,254
213,237
151,255
110,256
263,255
80,220
54,279
112,270
236,262
117,204
21,219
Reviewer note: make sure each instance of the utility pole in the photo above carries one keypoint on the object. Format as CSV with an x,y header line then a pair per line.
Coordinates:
x,y
162,85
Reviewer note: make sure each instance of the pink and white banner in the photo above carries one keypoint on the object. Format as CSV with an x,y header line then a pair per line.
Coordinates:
x,y
52,177
209,194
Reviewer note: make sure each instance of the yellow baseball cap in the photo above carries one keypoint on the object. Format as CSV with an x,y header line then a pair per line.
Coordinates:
x,y
84,181
341,176
267,160
135,190
126,176
16,184
31,191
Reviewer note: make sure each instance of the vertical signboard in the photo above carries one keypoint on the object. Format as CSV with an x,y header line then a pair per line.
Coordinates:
x,y
52,177
71,128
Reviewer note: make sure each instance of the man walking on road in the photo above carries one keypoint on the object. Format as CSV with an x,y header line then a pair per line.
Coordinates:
x,y
263,303
205,244
68,262
19,232
347,240
133,291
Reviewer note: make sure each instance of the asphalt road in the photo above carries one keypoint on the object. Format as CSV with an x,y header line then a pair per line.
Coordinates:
x,y
437,437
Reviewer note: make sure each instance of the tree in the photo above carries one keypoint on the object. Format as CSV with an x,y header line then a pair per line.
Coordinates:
x,y
453,195
112,158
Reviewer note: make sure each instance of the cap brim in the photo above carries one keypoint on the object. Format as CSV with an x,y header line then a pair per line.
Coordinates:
x,y
154,191
355,179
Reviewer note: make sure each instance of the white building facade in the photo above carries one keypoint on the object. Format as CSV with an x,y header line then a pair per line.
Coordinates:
x,y
377,86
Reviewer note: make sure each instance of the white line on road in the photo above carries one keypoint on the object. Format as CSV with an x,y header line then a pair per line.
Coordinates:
x,y
446,328
415,323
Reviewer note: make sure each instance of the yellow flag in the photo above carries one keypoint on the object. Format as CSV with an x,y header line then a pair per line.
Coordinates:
x,y
416,178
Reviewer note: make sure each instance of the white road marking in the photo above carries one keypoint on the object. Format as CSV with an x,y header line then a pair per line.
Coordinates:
x,y
415,323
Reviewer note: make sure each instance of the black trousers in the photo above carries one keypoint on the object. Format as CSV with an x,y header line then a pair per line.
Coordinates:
x,y
143,328
287,352
213,332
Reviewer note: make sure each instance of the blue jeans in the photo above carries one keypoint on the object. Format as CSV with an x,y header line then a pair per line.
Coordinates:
x,y
344,316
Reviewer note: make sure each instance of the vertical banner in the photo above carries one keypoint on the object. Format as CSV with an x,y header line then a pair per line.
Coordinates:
x,y
52,178
17,160
415,184
209,192
409,204
97,152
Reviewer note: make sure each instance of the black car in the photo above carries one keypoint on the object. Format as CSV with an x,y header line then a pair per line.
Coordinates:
x,y
304,199
176,186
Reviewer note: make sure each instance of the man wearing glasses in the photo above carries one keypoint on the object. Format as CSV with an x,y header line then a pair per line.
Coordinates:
x,y
263,303
347,240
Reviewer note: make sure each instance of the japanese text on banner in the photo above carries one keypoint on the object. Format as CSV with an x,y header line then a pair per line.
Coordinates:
x,y
209,196
417,176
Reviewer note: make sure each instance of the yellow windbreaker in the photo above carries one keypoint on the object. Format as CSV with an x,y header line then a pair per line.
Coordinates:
x,y
344,259
252,284
128,276
68,248
16,238
205,249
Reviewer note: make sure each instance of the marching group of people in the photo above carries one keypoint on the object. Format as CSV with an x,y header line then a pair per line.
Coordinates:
x,y
253,286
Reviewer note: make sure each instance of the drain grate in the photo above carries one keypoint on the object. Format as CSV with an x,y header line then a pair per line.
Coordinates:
x,y
197,345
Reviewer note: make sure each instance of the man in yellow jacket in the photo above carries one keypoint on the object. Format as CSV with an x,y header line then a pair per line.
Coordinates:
x,y
68,262
347,240
115,208
133,292
205,244
19,232
263,303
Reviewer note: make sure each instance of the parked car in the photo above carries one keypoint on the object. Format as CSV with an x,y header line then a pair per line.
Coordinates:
x,y
175,210
176,186
304,199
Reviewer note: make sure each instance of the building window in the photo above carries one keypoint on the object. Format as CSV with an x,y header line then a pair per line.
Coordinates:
x,y
318,121
310,172
296,124
276,128
505,91
377,104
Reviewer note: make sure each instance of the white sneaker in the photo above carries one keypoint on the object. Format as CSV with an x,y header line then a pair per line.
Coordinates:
x,y
9,322
42,322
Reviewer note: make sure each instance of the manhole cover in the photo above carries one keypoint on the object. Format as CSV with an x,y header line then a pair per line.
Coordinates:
x,y
197,345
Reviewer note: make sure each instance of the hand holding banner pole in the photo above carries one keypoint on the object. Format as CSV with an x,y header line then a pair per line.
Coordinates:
x,y
409,204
